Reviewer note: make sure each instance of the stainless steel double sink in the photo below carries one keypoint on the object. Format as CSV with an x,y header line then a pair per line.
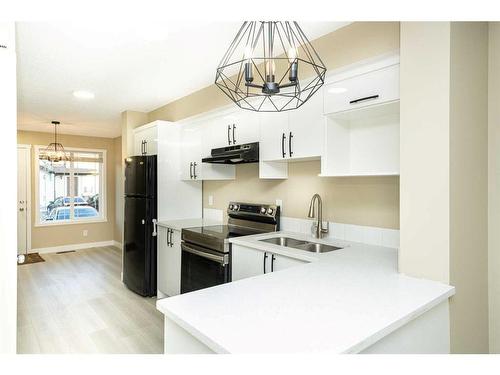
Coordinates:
x,y
313,247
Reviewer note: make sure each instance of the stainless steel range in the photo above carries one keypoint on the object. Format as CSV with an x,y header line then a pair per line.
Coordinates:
x,y
206,251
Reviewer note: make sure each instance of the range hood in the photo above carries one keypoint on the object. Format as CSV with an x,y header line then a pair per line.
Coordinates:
x,y
246,153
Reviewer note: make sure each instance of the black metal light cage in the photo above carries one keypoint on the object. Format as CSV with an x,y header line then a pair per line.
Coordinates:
x,y
260,70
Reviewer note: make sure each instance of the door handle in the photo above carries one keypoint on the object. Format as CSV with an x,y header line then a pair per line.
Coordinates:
x,y
228,134
154,227
194,170
265,257
234,140
290,136
191,170
372,97
273,258
283,138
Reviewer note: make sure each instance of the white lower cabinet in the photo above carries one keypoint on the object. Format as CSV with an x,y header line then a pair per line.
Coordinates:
x,y
168,262
248,262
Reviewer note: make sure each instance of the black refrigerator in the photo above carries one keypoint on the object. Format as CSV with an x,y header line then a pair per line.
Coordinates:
x,y
139,249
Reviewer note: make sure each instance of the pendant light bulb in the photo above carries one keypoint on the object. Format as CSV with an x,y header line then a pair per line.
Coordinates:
x,y
292,54
270,70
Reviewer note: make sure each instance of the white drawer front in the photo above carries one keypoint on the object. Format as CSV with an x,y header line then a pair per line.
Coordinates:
x,y
367,89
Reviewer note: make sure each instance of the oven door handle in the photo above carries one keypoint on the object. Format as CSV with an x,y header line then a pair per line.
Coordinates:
x,y
222,259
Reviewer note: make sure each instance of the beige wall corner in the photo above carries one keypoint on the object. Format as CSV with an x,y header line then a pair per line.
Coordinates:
x,y
469,187
494,185
71,234
444,83
424,150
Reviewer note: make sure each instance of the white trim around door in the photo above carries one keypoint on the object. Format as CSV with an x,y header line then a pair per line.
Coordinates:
x,y
27,205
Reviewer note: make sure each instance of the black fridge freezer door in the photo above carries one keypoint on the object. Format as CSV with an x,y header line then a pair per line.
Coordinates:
x,y
140,176
139,249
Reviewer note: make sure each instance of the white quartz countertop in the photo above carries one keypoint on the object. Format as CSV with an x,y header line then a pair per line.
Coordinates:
x,y
341,302
187,223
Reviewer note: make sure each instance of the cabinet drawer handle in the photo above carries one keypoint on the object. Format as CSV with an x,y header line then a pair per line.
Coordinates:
x,y
265,257
234,139
194,170
229,134
355,101
191,170
290,136
283,138
273,258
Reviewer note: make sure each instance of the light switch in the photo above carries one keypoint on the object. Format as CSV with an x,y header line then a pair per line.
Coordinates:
x,y
210,200
85,233
279,203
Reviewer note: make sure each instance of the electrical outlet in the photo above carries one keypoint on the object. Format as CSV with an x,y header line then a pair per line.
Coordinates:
x,y
85,233
210,200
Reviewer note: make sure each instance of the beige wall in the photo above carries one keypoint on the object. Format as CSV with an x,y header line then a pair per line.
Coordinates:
x,y
443,168
469,187
424,118
363,201
118,170
494,186
59,235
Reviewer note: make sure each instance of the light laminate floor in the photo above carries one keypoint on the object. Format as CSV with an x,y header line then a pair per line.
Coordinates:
x,y
76,303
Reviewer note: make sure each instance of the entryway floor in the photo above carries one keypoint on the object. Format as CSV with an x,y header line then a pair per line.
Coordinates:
x,y
76,303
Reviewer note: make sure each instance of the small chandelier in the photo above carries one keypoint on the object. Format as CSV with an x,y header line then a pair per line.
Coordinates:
x,y
55,152
260,70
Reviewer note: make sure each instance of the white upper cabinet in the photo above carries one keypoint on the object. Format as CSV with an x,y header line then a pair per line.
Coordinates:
x,y
146,139
197,138
273,136
305,129
191,152
232,128
367,89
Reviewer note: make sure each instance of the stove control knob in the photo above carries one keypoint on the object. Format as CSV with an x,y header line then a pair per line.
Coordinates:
x,y
236,207
270,211
263,210
230,206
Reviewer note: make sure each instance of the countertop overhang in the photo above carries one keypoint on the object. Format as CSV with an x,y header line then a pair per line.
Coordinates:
x,y
341,302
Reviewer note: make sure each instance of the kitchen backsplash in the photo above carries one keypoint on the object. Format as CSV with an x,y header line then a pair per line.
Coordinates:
x,y
349,232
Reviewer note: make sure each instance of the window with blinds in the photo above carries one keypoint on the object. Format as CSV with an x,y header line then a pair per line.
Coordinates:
x,y
71,191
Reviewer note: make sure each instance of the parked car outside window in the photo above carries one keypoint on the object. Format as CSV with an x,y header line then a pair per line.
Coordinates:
x,y
62,213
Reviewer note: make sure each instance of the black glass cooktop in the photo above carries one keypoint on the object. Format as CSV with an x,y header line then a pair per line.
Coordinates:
x,y
223,231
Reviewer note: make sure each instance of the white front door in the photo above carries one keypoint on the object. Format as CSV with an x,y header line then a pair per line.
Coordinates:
x,y
23,199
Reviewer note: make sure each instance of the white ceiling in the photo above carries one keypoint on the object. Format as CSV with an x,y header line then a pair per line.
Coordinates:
x,y
128,66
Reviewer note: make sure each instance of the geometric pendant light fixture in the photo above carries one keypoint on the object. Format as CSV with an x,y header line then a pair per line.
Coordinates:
x,y
55,152
270,66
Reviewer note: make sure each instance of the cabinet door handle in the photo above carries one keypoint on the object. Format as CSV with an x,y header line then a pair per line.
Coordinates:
x,y
171,234
194,170
145,147
355,101
142,147
290,136
234,139
273,258
265,257
191,170
283,139
229,134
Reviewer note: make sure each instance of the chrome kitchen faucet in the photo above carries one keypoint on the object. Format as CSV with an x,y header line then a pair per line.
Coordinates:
x,y
318,230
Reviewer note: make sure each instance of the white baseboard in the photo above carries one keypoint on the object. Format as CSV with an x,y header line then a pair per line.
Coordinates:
x,y
118,245
78,246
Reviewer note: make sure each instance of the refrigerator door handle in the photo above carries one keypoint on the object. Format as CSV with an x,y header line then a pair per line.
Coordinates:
x,y
155,232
